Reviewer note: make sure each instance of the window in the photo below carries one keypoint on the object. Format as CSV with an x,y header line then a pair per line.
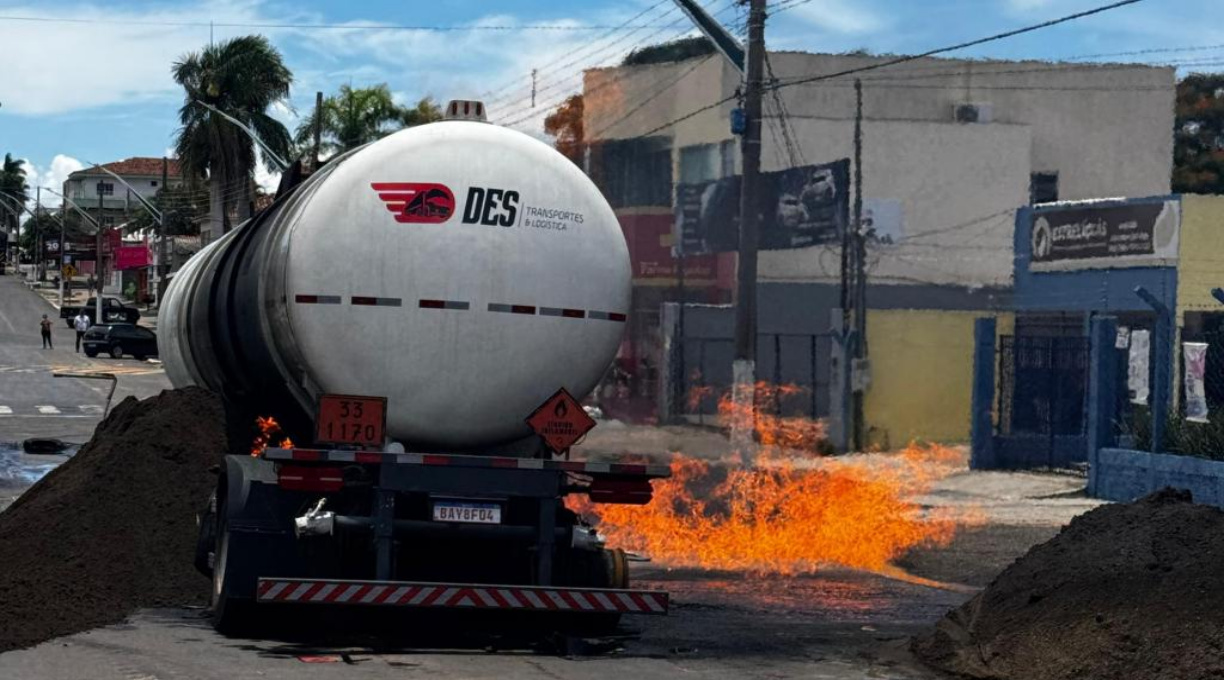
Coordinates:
x,y
727,150
153,183
633,173
106,189
1043,187
699,163
142,333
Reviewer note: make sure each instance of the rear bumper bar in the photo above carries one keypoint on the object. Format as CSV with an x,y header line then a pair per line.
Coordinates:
x,y
462,596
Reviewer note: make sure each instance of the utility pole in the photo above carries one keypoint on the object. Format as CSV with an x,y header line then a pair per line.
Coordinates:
x,y
860,272
318,131
743,371
98,259
64,284
42,274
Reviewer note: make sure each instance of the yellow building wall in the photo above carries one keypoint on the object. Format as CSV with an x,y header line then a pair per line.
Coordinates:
x,y
921,374
1201,254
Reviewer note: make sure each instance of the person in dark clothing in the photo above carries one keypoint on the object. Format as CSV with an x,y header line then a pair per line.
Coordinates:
x,y
45,324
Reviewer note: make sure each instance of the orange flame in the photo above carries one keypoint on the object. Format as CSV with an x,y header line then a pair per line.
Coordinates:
x,y
268,431
788,517
773,429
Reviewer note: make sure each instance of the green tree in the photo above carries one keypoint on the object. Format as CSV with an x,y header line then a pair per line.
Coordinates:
x,y
46,225
242,77
182,207
15,192
1198,135
671,51
565,124
426,110
357,116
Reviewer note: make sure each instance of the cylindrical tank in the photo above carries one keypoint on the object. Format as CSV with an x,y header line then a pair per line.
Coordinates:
x,y
461,270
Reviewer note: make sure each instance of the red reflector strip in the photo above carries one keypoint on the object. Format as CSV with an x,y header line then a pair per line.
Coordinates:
x,y
567,313
628,491
308,478
511,309
606,316
317,299
376,301
444,304
411,594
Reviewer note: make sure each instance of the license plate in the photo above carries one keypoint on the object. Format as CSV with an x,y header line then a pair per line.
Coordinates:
x,y
470,513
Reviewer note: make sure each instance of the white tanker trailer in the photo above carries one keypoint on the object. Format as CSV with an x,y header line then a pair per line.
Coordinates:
x,y
405,311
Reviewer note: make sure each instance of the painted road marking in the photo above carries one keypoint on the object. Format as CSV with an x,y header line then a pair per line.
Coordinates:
x,y
6,410
91,408
48,410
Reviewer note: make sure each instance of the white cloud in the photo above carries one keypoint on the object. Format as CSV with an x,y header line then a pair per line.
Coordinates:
x,y
838,16
52,177
55,67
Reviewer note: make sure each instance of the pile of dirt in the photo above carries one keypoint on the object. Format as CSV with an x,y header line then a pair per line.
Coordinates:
x,y
1125,592
113,528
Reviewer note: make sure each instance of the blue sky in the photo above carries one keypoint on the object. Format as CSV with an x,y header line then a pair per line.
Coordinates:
x,y
101,90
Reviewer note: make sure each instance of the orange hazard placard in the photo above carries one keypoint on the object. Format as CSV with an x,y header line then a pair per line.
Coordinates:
x,y
345,419
561,421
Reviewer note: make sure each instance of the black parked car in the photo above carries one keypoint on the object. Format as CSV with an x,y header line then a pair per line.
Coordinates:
x,y
117,339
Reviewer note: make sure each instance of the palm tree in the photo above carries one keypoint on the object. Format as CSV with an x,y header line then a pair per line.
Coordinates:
x,y
359,116
15,193
242,77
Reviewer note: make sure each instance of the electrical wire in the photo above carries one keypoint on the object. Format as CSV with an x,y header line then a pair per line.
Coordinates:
x,y
902,60
314,26
530,112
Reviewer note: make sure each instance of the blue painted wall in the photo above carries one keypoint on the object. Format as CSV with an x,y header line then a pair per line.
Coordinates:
x,y
1088,290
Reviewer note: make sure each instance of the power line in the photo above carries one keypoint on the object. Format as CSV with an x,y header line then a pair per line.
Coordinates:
x,y
964,45
530,113
596,41
905,59
340,27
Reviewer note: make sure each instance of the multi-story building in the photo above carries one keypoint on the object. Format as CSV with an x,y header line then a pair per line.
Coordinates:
x,y
951,150
113,203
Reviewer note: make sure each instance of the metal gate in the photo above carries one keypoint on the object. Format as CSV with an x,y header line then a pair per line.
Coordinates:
x,y
1042,395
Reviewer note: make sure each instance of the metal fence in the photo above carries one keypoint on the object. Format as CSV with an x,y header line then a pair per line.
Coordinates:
x,y
798,363
1043,383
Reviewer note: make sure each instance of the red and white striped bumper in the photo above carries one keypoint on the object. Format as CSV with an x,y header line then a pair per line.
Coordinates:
x,y
407,594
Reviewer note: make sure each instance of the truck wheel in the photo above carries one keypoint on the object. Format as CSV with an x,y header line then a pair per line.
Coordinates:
x,y
230,616
116,351
599,569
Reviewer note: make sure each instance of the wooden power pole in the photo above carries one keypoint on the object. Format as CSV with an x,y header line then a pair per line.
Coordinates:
x,y
744,369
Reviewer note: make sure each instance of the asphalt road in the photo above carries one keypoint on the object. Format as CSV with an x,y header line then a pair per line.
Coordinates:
x,y
722,626
33,403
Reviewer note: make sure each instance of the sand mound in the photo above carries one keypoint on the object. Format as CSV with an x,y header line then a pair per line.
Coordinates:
x,y
112,529
1126,592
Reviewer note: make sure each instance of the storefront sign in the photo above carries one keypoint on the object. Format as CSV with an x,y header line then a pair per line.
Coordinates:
x,y
1086,235
132,257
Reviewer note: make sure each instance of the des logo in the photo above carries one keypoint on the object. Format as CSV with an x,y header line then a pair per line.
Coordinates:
x,y
491,207
416,202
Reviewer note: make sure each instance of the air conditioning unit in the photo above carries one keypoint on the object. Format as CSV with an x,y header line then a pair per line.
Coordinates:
x,y
972,113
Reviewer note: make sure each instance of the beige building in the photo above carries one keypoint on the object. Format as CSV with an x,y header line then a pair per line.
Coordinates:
x,y
950,147
951,150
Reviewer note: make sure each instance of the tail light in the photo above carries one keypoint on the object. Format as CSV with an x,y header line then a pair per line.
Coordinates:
x,y
309,478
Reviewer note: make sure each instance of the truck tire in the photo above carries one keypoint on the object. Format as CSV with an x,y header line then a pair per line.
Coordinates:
x,y
230,615
598,569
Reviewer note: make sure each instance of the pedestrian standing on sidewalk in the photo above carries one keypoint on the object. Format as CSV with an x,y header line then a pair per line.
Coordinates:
x,y
81,324
46,332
